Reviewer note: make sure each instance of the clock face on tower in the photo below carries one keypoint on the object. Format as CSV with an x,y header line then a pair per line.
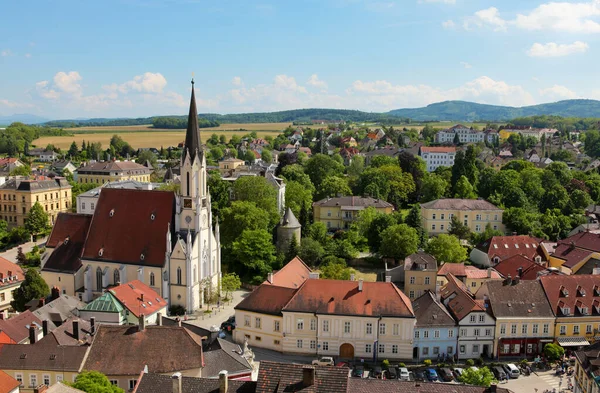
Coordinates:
x,y
188,219
187,203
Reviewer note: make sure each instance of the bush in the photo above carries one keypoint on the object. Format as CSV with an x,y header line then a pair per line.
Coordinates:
x,y
441,364
401,365
553,352
470,363
427,362
385,364
523,362
177,310
479,361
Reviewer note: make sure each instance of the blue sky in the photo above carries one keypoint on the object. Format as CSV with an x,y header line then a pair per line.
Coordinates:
x,y
68,59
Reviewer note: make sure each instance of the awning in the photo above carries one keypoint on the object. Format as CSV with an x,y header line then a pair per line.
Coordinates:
x,y
572,341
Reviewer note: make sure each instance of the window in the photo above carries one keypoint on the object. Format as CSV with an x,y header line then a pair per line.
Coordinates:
x,y
563,330
396,329
513,329
369,328
441,227
425,351
83,205
347,327
535,328
19,378
326,326
325,346
411,294
24,210
395,348
475,349
524,328
473,285
92,206
433,227
275,326
98,279
2,297
433,216
247,321
477,228
33,380
546,327
495,217
152,282
382,328
436,334
381,348
257,323
368,348
436,350
478,217
313,324
328,213
426,334
46,379
132,383
472,318
59,378
588,329
476,332
113,382
412,279
417,334
299,344
488,332
179,275
463,332
313,344
426,280
450,333
300,324
575,329
116,277
442,216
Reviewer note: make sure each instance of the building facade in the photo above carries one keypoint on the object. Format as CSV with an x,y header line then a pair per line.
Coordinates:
x,y
109,171
498,248
587,370
338,213
465,135
11,277
474,213
435,157
436,331
420,271
19,196
87,201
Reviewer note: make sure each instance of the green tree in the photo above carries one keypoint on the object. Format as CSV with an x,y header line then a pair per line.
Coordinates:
x,y
21,258
295,172
333,186
487,234
299,199
553,352
255,252
311,251
357,165
334,268
481,377
292,250
216,153
318,231
94,382
229,283
399,241
73,150
459,229
446,248
415,219
34,287
36,221
320,166
242,216
23,170
433,187
258,190
378,225
463,189
266,156
147,155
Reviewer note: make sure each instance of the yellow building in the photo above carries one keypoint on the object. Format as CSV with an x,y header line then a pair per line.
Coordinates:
x,y
474,213
107,171
587,369
575,301
339,213
42,364
575,252
420,271
17,197
229,164
11,277
471,276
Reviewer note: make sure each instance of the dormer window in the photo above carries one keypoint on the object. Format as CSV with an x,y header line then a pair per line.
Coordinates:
x,y
100,252
516,246
111,213
142,257
152,216
566,310
564,292
526,245
538,259
583,310
580,291
596,290
66,240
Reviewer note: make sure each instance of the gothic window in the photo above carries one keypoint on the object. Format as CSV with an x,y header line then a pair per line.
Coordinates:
x,y
151,279
116,277
179,276
98,279
187,183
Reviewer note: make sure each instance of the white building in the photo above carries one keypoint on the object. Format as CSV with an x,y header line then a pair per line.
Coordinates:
x,y
437,156
87,201
465,135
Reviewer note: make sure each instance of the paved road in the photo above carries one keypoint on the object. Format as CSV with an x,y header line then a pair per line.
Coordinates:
x,y
542,381
11,254
220,314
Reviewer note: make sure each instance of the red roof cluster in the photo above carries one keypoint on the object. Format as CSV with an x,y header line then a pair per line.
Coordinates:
x,y
505,247
462,304
10,273
510,266
579,294
438,149
139,298
292,275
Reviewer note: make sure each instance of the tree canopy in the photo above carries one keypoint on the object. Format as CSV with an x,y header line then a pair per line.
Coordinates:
x,y
446,248
94,382
34,287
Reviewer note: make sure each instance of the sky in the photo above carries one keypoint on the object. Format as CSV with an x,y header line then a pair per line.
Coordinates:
x,y
131,58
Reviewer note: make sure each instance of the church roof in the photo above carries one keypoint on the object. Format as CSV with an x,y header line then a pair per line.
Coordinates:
x,y
289,220
192,134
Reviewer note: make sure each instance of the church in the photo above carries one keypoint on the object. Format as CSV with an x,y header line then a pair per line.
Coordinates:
x,y
163,239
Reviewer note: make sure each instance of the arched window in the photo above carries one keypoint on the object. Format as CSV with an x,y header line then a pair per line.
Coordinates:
x,y
151,279
116,277
178,276
187,183
99,279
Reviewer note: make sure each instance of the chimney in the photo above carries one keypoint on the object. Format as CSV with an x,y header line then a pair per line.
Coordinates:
x,y
142,297
270,278
159,319
352,277
313,275
40,389
508,280
515,280
596,270
489,272
42,302
308,376
360,285
520,272
493,388
55,293
142,323
93,325
45,327
76,329
223,382
32,334
176,379
178,321
388,278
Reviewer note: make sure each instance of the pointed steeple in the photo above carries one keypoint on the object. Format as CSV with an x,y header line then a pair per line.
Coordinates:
x,y
192,135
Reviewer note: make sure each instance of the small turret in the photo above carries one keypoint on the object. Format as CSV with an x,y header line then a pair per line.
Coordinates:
x,y
288,227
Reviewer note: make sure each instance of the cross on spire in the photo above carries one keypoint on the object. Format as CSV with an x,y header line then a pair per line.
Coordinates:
x,y
193,144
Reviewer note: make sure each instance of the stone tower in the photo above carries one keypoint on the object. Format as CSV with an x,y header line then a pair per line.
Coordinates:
x,y
287,228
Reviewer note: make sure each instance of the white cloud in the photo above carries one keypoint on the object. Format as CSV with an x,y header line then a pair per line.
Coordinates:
x,y
449,24
438,1
489,17
558,92
552,49
236,81
316,82
68,82
565,17
146,83
14,105
288,83
45,92
465,64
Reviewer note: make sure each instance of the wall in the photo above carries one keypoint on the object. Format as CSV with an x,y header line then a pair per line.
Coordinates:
x,y
467,335
55,376
443,218
101,178
6,294
447,338
419,287
267,336
15,204
334,217
67,282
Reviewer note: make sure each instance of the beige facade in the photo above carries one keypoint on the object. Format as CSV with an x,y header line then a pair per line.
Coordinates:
x,y
68,283
341,212
17,197
476,214
417,282
6,295
261,330
102,172
30,379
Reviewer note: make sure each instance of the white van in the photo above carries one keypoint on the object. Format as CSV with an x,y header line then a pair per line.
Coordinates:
x,y
512,371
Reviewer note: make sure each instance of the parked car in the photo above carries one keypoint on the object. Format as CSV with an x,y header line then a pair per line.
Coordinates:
x,y
342,364
458,372
420,376
229,324
392,373
358,371
446,374
376,372
431,375
499,373
403,374
323,361
512,370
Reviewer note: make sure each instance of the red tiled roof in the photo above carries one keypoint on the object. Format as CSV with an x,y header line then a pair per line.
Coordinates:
x,y
5,339
457,269
274,377
571,255
139,298
9,270
337,297
507,246
17,327
292,275
437,149
128,224
8,160
66,255
7,383
475,273
590,297
267,299
463,303
576,248
510,266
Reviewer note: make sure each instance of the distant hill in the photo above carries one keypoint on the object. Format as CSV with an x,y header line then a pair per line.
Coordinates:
x,y
470,111
22,118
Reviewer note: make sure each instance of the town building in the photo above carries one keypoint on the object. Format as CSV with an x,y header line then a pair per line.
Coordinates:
x,y
42,154
537,133
474,213
23,328
11,277
106,171
73,331
420,271
587,370
8,164
176,383
475,323
388,151
19,196
288,229
8,384
498,248
55,312
465,135
524,319
165,241
87,201
349,319
339,212
227,165
435,331
575,302
575,252
471,276
61,166
520,266
291,275
435,157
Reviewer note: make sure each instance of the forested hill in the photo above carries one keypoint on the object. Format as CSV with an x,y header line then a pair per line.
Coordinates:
x,y
470,111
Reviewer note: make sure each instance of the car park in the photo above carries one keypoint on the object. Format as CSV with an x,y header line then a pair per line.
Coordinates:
x,y
420,375
323,361
392,373
403,374
512,371
377,371
499,373
229,324
431,375
458,372
358,371
446,374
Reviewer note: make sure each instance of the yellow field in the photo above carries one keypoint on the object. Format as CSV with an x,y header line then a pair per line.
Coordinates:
x,y
140,138
222,127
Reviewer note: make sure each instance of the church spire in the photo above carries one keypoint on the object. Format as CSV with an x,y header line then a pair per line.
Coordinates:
x,y
192,134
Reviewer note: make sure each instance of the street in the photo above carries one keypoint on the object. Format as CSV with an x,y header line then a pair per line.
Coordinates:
x,y
219,314
11,254
537,383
